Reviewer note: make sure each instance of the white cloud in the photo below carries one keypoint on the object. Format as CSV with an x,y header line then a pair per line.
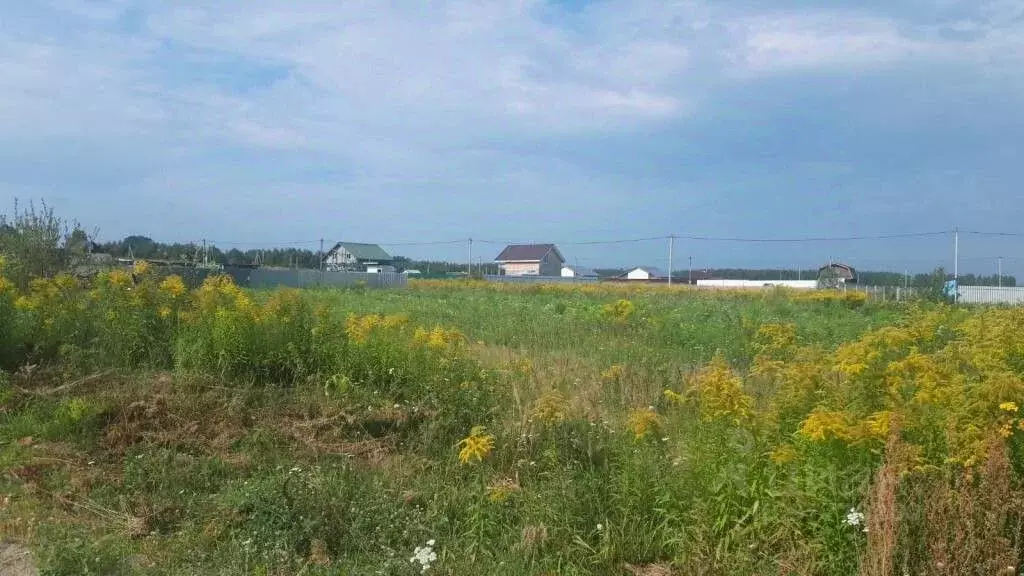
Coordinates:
x,y
389,93
834,40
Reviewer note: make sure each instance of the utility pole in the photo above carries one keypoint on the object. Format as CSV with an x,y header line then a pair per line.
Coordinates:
x,y
1000,271
956,263
321,261
689,271
469,263
671,245
205,254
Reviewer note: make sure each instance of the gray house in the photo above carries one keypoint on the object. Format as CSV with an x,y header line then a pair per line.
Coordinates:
x,y
358,257
530,260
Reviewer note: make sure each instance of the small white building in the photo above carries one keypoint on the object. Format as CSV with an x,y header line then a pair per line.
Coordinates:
x,y
645,273
379,268
577,272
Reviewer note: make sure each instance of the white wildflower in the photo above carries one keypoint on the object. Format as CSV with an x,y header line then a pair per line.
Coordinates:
x,y
424,556
854,518
600,527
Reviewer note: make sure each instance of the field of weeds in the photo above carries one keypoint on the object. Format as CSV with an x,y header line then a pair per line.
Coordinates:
x,y
478,429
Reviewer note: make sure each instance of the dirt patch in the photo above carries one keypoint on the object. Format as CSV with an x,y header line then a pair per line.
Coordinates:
x,y
16,560
135,422
649,570
152,420
327,436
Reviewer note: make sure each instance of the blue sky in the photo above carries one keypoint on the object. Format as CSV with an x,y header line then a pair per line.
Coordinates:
x,y
525,120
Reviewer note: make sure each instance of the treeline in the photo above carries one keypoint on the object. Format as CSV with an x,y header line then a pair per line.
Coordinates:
x,y
35,242
146,248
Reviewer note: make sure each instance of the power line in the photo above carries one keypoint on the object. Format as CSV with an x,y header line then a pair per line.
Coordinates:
x,y
435,243
980,233
814,238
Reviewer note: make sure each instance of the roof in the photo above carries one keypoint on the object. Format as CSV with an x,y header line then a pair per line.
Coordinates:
x,y
651,270
364,251
844,270
527,253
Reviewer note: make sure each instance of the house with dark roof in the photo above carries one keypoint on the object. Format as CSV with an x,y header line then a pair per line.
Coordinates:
x,y
357,256
530,260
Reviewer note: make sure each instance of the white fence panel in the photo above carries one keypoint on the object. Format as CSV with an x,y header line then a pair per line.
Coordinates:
x,y
990,295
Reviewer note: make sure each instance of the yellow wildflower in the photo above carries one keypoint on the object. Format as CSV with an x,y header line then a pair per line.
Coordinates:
x,y
823,424
642,422
550,407
783,454
500,491
720,392
173,285
165,312
619,311
141,267
613,373
1008,407
476,446
674,398
878,424
119,278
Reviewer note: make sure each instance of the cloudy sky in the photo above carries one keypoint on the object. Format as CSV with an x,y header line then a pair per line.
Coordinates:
x,y
526,120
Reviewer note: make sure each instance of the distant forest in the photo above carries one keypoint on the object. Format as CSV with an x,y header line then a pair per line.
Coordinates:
x,y
147,248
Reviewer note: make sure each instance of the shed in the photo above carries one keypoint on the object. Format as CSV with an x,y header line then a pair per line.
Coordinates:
x,y
838,273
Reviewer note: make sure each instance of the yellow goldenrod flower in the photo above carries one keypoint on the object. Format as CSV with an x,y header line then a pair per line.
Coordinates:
x,y
822,424
550,407
173,285
502,490
119,278
674,398
642,422
720,392
783,454
620,311
1008,407
476,446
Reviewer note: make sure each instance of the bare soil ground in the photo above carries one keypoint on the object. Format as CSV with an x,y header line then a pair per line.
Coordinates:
x,y
16,560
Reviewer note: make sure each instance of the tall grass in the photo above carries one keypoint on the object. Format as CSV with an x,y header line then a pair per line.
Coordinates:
x,y
521,430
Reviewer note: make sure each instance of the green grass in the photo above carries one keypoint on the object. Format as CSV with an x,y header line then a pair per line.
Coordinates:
x,y
347,469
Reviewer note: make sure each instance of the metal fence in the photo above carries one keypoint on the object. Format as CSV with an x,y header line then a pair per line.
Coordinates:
x,y
990,295
293,278
538,279
884,293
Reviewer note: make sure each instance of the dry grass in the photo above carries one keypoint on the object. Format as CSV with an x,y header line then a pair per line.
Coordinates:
x,y
972,524
882,514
